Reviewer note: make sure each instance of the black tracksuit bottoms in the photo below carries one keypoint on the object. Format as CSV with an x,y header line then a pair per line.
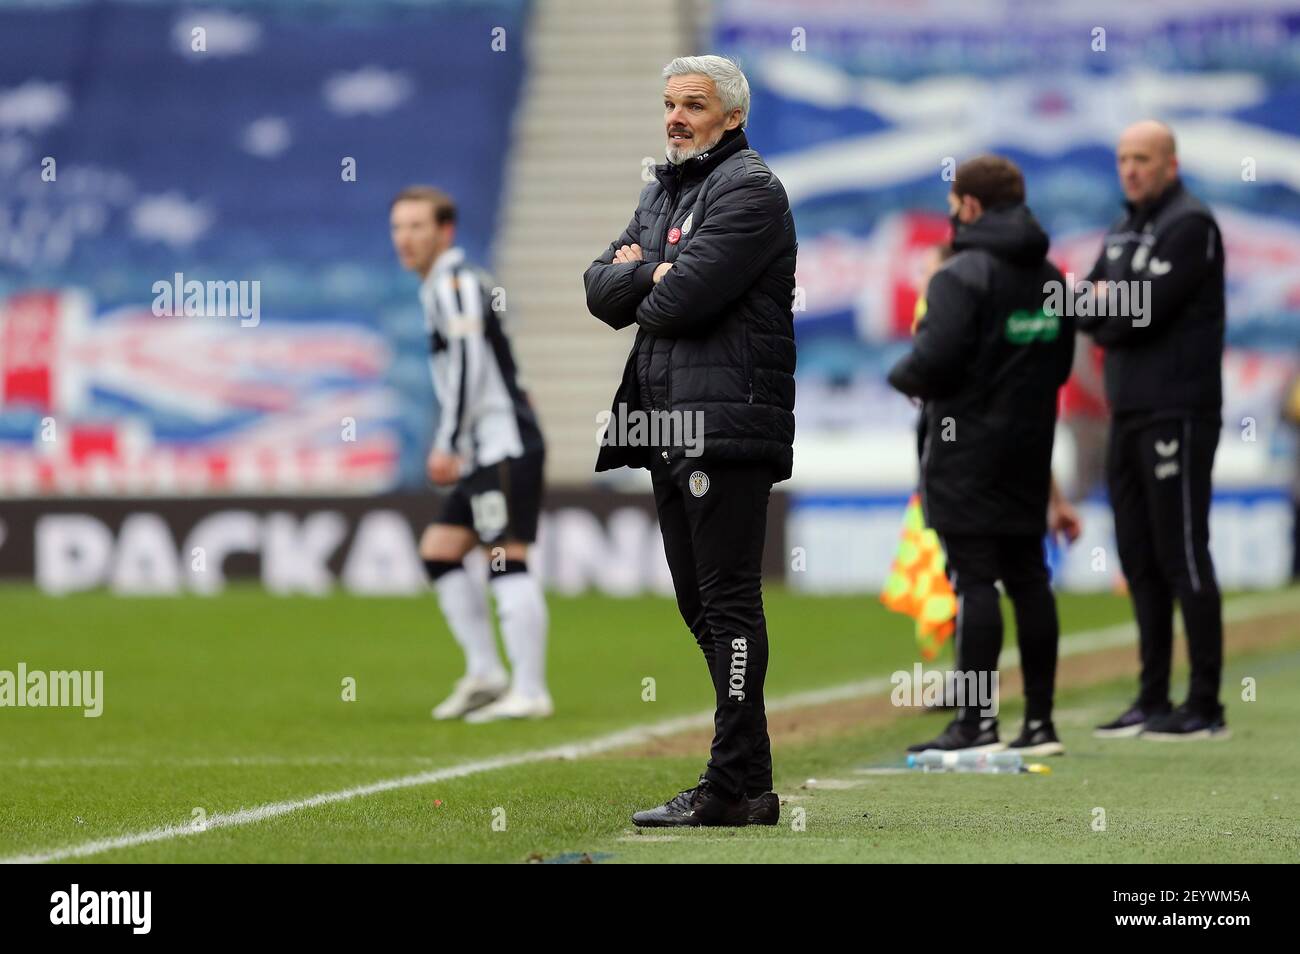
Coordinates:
x,y
975,564
1158,472
713,516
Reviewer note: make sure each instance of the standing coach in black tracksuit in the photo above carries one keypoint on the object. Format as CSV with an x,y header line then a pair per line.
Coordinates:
x,y
1163,370
988,358
705,269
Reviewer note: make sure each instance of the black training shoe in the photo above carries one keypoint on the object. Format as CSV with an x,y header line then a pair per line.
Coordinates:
x,y
1038,737
1186,723
671,813
699,806
1129,723
979,736
714,808
765,809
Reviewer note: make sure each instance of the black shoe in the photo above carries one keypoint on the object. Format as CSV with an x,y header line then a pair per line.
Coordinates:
x,y
1130,723
702,805
765,809
1187,723
1038,737
979,736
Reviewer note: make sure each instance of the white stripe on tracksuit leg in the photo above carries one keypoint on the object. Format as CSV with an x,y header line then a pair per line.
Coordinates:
x,y
1188,548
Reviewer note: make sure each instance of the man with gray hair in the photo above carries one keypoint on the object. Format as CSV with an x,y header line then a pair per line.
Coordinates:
x,y
705,269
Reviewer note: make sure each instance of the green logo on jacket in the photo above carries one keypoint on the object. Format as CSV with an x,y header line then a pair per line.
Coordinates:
x,y
1025,327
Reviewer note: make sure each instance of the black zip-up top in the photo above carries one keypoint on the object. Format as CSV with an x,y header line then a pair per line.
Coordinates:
x,y
1169,359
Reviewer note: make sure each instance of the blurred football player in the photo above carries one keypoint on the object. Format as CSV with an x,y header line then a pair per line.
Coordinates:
x,y
489,450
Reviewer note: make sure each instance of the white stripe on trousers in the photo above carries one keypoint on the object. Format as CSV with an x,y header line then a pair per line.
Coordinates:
x,y
1187,506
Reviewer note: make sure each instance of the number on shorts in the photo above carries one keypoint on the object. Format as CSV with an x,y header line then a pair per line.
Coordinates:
x,y
490,515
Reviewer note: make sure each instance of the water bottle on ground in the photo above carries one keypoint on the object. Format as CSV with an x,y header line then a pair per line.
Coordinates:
x,y
996,763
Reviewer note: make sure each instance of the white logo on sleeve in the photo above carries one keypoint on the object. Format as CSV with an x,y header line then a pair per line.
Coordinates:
x,y
1157,267
1167,449
699,482
1139,260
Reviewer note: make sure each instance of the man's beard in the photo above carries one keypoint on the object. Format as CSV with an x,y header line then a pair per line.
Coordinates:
x,y
676,155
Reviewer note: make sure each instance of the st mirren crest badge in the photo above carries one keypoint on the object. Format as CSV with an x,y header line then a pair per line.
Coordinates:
x,y
699,482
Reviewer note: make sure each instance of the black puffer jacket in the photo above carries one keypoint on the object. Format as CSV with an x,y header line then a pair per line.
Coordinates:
x,y
988,360
716,335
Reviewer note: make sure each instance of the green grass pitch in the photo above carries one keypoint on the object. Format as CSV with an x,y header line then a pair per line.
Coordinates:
x,y
233,703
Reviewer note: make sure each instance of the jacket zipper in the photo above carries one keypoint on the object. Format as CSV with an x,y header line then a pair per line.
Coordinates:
x,y
668,361
749,371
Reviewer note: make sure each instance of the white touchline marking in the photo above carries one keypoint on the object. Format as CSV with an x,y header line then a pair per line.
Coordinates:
x,y
1109,637
636,735
232,761
697,836
1123,634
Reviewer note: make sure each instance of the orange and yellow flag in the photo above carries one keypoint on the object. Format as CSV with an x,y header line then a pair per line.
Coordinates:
x,y
918,583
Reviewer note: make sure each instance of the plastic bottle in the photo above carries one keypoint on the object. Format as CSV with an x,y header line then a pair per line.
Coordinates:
x,y
996,763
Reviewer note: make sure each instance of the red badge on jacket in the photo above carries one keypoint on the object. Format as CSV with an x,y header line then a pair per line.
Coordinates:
x,y
674,236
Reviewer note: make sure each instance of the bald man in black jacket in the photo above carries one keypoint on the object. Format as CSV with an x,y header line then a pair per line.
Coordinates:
x,y
1163,369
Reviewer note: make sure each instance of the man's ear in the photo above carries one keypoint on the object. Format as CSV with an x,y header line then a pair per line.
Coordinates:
x,y
733,120
972,206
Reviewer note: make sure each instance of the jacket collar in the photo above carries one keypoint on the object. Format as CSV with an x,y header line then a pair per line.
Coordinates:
x,y
697,167
1148,210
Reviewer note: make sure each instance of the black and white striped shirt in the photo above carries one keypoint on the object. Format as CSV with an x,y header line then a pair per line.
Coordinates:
x,y
485,416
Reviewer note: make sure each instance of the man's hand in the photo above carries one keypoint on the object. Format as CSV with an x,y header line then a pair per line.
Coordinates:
x,y
1062,517
443,468
629,253
1093,290
661,270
